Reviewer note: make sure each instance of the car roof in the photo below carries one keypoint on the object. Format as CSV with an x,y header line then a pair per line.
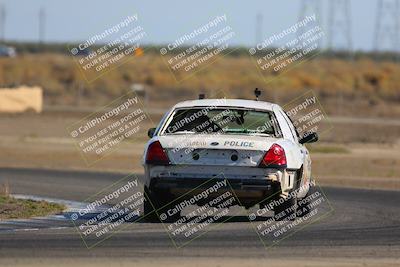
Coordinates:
x,y
251,104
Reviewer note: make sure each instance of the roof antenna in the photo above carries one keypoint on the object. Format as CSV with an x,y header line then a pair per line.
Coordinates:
x,y
202,96
257,93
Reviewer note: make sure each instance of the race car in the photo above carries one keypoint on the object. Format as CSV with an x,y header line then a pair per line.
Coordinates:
x,y
252,144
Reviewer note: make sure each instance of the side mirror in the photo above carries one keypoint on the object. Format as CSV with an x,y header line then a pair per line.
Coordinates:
x,y
309,138
150,132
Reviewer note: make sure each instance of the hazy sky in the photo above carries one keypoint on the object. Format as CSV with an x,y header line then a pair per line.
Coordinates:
x,y
164,21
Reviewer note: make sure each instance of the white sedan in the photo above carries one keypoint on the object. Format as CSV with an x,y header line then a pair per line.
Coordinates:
x,y
251,144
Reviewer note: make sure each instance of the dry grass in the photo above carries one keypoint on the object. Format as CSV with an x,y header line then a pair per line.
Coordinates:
x,y
5,189
12,208
363,81
328,149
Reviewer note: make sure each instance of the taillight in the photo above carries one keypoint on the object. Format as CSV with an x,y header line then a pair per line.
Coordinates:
x,y
156,154
275,157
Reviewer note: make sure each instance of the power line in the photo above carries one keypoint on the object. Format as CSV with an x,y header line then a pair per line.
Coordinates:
x,y
2,22
387,25
259,33
307,8
339,35
339,31
42,24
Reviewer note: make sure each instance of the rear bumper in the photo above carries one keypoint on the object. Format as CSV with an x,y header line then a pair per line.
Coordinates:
x,y
204,183
248,192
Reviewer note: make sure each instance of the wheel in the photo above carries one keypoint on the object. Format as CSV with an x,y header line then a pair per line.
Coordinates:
x,y
158,204
286,210
150,204
303,206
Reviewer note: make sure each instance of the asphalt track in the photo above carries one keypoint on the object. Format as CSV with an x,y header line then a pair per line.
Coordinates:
x,y
364,224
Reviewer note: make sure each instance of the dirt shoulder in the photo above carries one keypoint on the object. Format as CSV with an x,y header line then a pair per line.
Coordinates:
x,y
372,166
351,157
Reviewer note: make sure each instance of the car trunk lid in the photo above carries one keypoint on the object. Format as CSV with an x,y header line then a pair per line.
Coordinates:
x,y
223,150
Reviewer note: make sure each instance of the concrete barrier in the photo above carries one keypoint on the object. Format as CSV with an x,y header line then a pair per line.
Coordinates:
x,y
21,99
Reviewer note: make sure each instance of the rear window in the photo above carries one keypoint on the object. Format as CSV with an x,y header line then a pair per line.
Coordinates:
x,y
223,121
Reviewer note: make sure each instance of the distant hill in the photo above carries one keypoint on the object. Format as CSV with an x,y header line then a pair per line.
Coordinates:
x,y
363,80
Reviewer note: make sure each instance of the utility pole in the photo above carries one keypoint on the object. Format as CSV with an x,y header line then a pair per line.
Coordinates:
x,y
339,25
387,26
2,22
340,37
42,25
308,8
259,33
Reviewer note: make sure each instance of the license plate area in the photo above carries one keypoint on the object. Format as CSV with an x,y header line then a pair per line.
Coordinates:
x,y
215,156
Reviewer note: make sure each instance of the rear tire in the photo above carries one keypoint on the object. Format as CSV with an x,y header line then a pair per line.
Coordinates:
x,y
154,206
150,206
303,207
287,210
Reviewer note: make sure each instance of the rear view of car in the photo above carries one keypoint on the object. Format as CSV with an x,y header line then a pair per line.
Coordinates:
x,y
248,143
